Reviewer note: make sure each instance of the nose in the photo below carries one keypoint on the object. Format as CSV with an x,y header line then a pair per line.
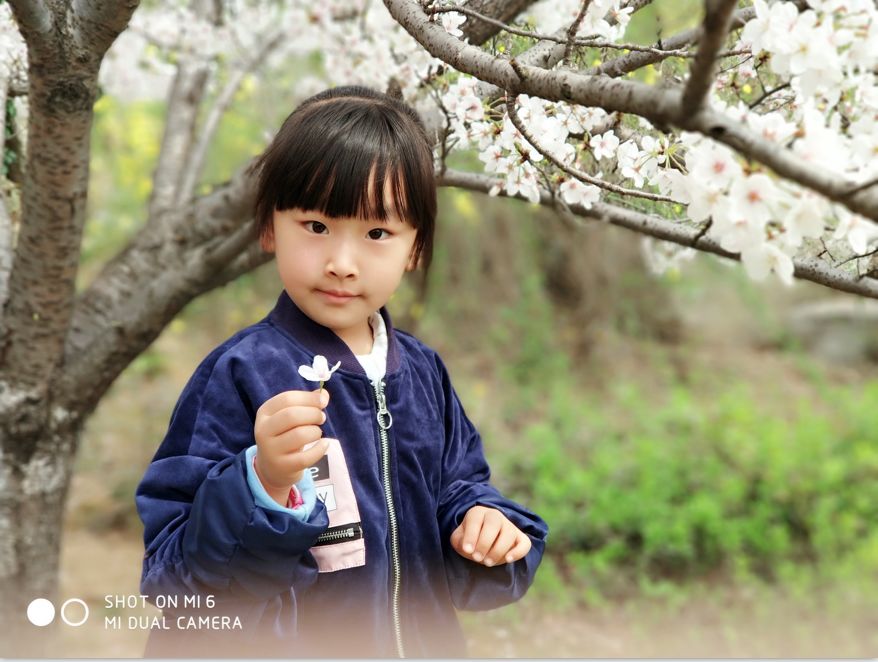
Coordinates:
x,y
341,262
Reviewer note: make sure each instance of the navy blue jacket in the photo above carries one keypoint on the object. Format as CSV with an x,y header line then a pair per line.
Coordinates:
x,y
399,581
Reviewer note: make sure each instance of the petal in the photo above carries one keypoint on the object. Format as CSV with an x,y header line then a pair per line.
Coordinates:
x,y
308,373
320,364
333,369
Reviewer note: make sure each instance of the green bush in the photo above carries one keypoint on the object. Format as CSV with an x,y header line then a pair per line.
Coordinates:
x,y
697,484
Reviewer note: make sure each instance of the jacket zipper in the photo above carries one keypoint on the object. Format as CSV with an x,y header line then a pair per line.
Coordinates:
x,y
342,533
385,420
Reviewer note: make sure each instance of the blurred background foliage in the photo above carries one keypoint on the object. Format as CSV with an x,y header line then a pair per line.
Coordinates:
x,y
676,432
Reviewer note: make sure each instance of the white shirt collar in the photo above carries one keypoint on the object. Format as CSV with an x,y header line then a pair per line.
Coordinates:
x,y
375,362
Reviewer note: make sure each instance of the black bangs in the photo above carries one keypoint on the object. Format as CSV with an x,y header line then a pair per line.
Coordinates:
x,y
351,152
344,175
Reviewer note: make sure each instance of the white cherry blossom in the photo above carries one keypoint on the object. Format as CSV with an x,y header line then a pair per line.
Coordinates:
x,y
522,180
604,146
319,371
495,159
715,165
452,21
804,218
703,201
762,259
860,232
575,192
736,232
752,197
771,28
772,126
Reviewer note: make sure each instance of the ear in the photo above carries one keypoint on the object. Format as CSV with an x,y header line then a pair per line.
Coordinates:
x,y
266,240
414,263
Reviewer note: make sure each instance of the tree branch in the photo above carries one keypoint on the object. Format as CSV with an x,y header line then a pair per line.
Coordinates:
x,y
662,53
565,40
478,31
636,5
573,29
546,54
6,249
251,258
633,61
187,92
717,18
810,269
193,170
34,18
100,22
144,287
573,172
659,106
767,93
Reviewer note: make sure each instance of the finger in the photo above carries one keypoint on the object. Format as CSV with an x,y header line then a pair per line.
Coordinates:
x,y
457,539
308,458
290,418
293,441
520,549
294,398
491,526
472,527
502,546
295,463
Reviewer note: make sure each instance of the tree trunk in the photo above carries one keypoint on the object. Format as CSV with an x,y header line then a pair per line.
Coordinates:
x,y
33,492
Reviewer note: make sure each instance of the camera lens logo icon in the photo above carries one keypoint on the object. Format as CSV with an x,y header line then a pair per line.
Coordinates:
x,y
41,612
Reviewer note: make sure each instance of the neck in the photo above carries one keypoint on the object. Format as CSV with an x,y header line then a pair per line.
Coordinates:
x,y
321,340
359,339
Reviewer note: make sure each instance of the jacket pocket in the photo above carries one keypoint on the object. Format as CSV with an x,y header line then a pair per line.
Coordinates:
x,y
342,545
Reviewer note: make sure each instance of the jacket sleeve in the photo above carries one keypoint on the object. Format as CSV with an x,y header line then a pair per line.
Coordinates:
x,y
466,483
203,531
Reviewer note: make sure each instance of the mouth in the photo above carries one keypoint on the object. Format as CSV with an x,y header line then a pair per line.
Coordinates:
x,y
337,296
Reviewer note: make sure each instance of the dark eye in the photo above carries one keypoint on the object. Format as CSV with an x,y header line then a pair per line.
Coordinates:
x,y
373,235
316,226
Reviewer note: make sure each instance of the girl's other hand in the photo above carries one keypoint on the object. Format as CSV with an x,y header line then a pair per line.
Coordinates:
x,y
286,429
487,536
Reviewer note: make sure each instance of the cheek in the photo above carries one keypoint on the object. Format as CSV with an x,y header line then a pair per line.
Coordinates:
x,y
393,269
295,263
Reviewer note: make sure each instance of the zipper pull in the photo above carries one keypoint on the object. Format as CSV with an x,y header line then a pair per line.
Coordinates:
x,y
382,407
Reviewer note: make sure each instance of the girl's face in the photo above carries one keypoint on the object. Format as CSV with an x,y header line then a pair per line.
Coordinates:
x,y
340,271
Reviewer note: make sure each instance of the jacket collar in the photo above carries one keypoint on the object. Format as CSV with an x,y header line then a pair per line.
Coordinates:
x,y
322,340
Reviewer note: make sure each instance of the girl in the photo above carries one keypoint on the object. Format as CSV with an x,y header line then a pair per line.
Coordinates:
x,y
267,535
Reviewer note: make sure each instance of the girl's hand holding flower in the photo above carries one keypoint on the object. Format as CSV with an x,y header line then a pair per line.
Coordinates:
x,y
287,433
487,536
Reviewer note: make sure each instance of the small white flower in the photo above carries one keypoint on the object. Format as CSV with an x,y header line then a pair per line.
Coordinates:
x,y
736,229
495,159
761,259
575,192
713,165
753,196
319,371
604,145
522,180
859,231
452,21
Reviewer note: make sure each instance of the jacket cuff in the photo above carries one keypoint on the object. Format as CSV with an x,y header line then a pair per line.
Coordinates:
x,y
260,496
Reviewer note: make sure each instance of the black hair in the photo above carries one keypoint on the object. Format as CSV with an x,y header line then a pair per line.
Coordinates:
x,y
334,153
